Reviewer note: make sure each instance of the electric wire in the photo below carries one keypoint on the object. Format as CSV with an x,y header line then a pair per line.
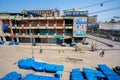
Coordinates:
x,y
115,8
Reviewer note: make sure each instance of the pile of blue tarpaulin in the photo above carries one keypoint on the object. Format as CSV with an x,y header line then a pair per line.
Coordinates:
x,y
12,76
26,63
11,43
39,77
58,74
39,66
91,74
53,68
17,43
76,74
109,73
72,43
2,42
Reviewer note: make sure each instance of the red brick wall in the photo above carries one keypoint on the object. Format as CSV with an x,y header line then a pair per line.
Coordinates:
x,y
51,22
59,23
59,31
23,31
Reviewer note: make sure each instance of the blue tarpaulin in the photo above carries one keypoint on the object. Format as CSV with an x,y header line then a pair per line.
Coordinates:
x,y
72,43
12,76
11,43
26,63
39,77
59,36
93,74
39,66
58,74
5,27
63,44
53,68
109,73
33,14
76,74
2,42
17,43
86,43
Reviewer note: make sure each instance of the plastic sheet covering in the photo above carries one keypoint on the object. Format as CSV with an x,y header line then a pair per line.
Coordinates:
x,y
39,66
109,73
86,43
93,74
12,76
11,43
2,42
26,63
72,43
39,77
76,74
5,27
58,74
59,36
17,43
53,68
63,44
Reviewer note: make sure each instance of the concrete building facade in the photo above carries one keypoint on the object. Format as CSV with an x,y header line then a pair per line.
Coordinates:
x,y
49,29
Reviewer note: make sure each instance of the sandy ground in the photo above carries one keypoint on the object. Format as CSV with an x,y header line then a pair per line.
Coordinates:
x,y
9,56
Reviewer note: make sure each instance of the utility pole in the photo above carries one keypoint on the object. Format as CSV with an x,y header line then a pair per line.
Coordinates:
x,y
31,41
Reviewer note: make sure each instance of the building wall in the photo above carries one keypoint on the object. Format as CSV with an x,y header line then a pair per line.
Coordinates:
x,y
109,26
48,13
44,29
92,19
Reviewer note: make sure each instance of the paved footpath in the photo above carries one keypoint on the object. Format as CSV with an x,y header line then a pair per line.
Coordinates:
x,y
116,45
41,45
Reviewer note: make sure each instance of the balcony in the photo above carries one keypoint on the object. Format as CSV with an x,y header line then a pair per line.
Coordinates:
x,y
68,27
7,34
68,17
58,17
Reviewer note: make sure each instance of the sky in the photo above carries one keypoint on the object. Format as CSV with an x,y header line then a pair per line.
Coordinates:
x,y
19,5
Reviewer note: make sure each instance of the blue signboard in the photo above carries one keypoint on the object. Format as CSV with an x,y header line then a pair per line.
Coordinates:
x,y
79,27
75,13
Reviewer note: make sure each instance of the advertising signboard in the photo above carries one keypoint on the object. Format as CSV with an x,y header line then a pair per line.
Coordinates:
x,y
75,13
79,26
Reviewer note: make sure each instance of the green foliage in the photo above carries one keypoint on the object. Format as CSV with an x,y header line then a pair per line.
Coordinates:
x,y
119,34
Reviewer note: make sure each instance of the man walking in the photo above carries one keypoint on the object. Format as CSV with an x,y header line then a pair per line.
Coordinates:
x,y
102,53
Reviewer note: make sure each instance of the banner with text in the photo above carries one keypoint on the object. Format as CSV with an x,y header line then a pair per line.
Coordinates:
x,y
79,26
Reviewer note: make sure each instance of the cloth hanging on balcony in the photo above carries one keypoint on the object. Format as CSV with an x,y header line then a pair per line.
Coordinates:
x,y
5,27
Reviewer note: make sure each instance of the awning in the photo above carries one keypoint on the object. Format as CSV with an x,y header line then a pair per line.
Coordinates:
x,y
58,36
63,38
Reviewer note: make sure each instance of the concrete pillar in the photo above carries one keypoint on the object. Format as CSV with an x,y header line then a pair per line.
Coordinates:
x,y
47,23
63,40
34,40
4,39
17,39
12,40
72,39
63,23
0,39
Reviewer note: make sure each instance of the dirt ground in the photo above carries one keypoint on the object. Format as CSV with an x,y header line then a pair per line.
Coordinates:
x,y
9,56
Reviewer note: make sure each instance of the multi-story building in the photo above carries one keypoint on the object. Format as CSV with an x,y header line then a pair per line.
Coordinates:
x,y
44,13
72,26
